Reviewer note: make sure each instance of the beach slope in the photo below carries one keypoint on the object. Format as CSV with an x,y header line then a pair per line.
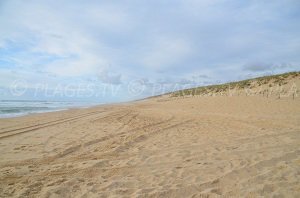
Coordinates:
x,y
169,146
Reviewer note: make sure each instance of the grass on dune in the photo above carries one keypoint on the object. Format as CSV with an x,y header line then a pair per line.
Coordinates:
x,y
270,81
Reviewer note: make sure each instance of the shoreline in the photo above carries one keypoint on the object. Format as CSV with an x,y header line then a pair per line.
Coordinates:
x,y
33,112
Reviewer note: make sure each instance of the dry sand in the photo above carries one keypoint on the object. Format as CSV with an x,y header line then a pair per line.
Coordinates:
x,y
192,147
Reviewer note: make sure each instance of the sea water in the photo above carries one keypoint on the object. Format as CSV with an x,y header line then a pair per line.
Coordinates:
x,y
15,108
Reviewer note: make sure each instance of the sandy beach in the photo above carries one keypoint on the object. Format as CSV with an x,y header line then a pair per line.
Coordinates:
x,y
241,146
149,99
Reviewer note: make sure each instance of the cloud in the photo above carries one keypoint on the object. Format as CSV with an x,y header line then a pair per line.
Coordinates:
x,y
165,53
178,42
259,67
42,28
110,78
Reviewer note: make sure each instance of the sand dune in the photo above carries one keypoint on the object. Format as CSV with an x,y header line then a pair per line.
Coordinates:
x,y
240,146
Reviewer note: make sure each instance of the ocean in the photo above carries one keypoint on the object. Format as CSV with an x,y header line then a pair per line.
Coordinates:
x,y
16,108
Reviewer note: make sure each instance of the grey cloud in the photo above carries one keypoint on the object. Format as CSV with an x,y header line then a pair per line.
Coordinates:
x,y
263,67
185,81
202,76
256,67
110,78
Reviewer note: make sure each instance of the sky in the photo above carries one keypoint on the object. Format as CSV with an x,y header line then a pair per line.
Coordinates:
x,y
110,51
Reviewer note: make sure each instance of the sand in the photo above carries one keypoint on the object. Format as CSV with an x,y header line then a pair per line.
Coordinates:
x,y
189,147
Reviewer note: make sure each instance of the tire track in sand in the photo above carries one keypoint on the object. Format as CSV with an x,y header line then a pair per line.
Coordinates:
x,y
10,133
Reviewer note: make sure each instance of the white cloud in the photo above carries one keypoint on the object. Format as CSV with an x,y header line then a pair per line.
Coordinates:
x,y
84,65
165,53
70,34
